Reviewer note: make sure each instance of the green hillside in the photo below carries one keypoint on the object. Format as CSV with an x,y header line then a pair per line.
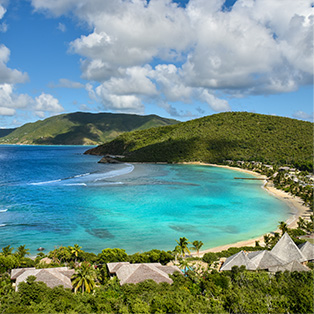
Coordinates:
x,y
223,136
81,128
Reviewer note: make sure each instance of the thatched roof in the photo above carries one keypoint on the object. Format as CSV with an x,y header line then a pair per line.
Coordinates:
x,y
265,259
307,250
52,277
286,250
134,273
292,266
239,259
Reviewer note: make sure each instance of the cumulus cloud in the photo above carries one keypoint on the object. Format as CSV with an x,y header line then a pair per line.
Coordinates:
x,y
10,100
46,102
7,75
194,51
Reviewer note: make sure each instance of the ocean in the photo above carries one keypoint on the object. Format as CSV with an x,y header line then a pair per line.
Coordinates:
x,y
53,196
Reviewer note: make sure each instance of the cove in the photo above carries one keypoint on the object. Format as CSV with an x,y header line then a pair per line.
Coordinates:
x,y
54,195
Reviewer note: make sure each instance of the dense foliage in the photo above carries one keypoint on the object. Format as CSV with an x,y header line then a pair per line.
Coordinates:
x,y
80,128
223,136
197,291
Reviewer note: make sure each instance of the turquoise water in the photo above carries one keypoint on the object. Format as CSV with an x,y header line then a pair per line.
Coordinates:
x,y
55,195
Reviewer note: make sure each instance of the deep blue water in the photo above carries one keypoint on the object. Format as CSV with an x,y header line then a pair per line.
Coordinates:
x,y
54,195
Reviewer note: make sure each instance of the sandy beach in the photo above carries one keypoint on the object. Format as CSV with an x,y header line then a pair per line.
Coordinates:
x,y
294,203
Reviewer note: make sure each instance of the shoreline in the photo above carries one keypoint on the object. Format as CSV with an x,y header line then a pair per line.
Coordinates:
x,y
294,203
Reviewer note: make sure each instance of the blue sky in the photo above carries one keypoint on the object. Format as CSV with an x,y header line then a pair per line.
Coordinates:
x,y
182,59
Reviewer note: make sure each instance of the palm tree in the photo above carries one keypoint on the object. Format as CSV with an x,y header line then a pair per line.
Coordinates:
x,y
283,227
76,250
176,251
84,278
267,239
21,251
6,251
197,246
183,245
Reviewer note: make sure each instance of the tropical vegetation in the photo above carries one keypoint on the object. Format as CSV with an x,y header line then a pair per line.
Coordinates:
x,y
219,137
197,291
80,128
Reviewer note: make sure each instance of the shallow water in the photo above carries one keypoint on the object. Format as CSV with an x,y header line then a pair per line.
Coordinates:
x,y
55,195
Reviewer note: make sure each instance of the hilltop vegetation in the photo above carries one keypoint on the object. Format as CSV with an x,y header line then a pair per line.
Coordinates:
x,y
231,135
81,128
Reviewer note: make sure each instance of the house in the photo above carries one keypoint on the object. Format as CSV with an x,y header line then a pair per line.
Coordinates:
x,y
135,273
307,250
238,259
285,255
286,250
264,259
52,277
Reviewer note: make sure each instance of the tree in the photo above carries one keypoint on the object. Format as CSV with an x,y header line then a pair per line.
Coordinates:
x,y
75,250
183,245
197,246
21,251
6,251
267,240
84,278
283,227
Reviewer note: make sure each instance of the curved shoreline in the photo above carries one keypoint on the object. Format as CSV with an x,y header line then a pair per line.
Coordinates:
x,y
293,202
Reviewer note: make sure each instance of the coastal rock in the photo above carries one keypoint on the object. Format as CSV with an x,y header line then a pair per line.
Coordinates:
x,y
108,160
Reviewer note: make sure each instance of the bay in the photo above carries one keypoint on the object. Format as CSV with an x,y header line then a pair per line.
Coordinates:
x,y
53,196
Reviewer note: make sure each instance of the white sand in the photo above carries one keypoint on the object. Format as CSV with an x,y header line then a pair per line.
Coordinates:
x,y
294,202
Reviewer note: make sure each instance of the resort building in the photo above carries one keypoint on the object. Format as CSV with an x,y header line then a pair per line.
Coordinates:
x,y
52,277
285,255
135,273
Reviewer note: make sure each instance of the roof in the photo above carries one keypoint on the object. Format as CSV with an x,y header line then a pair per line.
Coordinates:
x,y
287,250
52,277
239,259
307,250
265,259
292,266
135,273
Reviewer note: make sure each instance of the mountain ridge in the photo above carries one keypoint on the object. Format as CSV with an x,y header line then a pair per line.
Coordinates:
x,y
81,128
219,137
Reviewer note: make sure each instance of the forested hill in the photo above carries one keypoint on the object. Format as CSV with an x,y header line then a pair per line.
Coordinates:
x,y
230,135
81,128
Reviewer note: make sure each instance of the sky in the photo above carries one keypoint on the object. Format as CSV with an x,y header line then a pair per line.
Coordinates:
x,y
180,59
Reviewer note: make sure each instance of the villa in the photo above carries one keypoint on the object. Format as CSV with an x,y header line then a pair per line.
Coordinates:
x,y
135,273
285,255
52,277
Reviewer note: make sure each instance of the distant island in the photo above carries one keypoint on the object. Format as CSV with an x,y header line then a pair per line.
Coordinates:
x,y
80,128
220,137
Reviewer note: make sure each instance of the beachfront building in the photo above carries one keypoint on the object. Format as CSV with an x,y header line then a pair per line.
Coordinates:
x,y
135,273
285,255
52,277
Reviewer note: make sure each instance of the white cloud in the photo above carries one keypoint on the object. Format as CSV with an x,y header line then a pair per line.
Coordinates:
x,y
4,111
2,11
46,102
8,75
65,83
3,27
303,115
61,27
9,99
258,47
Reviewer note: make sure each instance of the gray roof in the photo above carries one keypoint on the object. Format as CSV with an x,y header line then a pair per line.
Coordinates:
x,y
52,277
265,259
287,250
307,250
292,266
134,273
239,259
